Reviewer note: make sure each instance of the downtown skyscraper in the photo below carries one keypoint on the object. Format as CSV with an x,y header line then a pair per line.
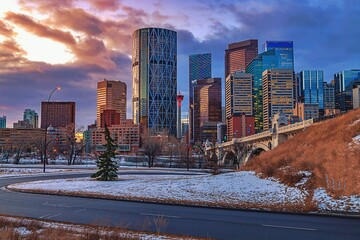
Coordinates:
x,y
277,55
207,108
31,117
311,89
278,93
3,122
238,55
111,103
344,81
154,75
199,68
239,105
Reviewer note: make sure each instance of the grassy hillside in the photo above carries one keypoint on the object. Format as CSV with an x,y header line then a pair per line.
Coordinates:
x,y
327,149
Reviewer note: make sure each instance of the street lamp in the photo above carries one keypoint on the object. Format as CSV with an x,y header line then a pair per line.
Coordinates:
x,y
46,125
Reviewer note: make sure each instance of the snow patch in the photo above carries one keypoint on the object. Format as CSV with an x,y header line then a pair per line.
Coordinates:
x,y
354,123
328,203
357,139
306,176
23,231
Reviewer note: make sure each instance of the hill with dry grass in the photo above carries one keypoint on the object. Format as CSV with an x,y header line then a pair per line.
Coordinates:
x,y
329,150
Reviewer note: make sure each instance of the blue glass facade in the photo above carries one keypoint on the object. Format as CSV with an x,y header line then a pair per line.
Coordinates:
x,y
279,55
344,81
154,68
199,68
311,87
3,122
284,52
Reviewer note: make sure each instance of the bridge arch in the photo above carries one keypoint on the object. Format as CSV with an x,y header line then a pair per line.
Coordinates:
x,y
228,158
257,149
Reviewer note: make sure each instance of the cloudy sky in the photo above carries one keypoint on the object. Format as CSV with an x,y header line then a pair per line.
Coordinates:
x,y
75,43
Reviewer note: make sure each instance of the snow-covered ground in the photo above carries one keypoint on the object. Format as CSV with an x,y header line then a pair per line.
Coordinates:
x,y
23,171
231,188
238,189
342,204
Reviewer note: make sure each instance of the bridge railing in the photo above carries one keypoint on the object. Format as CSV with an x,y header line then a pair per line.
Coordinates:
x,y
302,124
255,136
268,133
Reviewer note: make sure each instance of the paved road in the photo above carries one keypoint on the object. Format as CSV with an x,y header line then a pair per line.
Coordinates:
x,y
195,221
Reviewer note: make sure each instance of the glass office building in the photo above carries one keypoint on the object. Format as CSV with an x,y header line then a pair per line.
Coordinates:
x,y
278,55
344,81
311,87
199,68
154,70
3,122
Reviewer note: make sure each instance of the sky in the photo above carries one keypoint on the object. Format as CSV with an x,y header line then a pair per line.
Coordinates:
x,y
76,43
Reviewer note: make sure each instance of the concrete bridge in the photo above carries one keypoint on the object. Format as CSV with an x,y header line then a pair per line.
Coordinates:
x,y
261,142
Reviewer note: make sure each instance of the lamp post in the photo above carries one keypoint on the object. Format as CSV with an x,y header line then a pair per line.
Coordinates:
x,y
46,125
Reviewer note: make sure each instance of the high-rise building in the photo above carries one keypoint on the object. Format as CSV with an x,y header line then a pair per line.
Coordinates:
x,y
207,106
284,52
199,68
344,81
278,93
154,70
32,117
111,95
311,89
278,55
238,55
58,115
3,122
329,95
238,102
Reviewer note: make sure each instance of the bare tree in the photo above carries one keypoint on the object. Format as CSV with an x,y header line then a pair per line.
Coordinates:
x,y
152,148
70,147
213,164
19,150
172,148
240,151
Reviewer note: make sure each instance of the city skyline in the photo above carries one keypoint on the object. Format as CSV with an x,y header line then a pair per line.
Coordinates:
x,y
96,38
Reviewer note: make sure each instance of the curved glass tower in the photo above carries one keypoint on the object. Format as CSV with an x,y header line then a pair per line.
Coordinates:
x,y
154,69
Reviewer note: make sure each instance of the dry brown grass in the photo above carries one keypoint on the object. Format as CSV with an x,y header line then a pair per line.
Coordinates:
x,y
44,230
326,149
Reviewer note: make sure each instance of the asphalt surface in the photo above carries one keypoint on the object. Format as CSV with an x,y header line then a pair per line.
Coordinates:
x,y
194,221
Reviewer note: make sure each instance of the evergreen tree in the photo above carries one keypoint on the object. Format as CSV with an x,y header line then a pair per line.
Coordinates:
x,y
107,167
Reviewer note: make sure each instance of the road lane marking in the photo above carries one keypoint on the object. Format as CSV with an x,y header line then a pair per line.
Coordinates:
x,y
52,216
77,211
43,216
159,215
289,227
